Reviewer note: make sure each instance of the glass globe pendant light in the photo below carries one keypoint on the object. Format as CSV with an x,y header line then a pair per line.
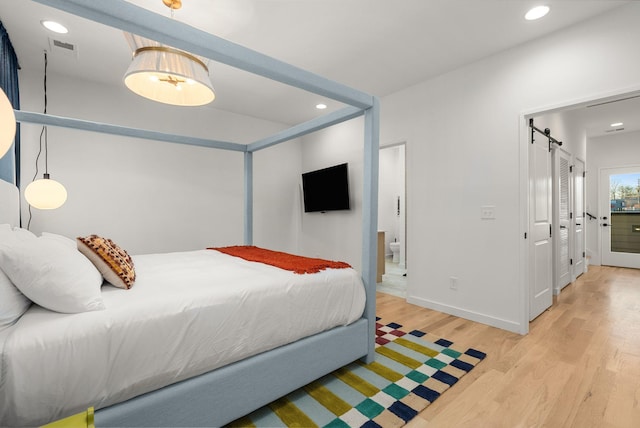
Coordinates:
x,y
45,193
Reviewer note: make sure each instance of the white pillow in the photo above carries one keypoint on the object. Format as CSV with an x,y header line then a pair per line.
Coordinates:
x,y
12,302
23,233
62,239
53,275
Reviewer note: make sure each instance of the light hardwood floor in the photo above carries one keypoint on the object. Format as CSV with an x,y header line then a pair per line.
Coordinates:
x,y
578,367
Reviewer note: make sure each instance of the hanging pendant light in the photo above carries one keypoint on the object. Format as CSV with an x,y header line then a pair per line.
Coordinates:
x,y
7,124
167,75
45,193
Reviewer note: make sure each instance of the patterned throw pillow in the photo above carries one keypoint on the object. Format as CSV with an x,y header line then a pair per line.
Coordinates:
x,y
114,263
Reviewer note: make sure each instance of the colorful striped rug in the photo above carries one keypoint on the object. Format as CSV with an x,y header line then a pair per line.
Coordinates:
x,y
411,370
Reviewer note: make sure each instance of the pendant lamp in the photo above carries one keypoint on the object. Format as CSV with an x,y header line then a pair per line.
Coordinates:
x,y
167,75
7,124
45,193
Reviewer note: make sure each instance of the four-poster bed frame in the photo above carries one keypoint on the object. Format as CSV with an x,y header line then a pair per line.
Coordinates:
x,y
220,396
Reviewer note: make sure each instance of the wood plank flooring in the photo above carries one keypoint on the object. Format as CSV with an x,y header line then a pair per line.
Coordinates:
x,y
578,367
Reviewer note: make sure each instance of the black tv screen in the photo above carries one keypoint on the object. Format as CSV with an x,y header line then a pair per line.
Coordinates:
x,y
326,189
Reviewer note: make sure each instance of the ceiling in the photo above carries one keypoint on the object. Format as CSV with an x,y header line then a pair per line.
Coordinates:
x,y
377,46
597,117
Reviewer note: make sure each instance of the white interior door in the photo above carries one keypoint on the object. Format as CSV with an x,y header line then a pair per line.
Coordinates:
x,y
563,212
619,200
579,219
540,242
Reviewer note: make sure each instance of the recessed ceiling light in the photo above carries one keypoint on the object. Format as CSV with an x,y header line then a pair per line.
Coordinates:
x,y
54,26
321,106
536,13
617,124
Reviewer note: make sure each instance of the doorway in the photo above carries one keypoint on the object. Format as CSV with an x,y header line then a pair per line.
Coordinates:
x,y
392,218
619,200
581,125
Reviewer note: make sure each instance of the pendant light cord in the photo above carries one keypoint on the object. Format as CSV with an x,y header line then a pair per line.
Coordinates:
x,y
43,133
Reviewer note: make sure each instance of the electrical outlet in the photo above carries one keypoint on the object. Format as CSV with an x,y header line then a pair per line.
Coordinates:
x,y
453,283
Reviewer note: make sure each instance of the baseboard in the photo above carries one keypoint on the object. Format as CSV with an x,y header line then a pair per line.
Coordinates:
x,y
469,315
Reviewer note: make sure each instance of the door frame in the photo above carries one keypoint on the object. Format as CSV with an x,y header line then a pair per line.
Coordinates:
x,y
579,267
523,150
402,144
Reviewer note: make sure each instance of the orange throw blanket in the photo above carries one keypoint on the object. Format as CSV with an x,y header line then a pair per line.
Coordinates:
x,y
296,264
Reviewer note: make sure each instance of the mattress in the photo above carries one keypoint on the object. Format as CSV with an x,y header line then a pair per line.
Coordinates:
x,y
188,313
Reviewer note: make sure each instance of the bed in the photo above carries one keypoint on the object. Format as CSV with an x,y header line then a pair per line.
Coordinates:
x,y
187,314
215,394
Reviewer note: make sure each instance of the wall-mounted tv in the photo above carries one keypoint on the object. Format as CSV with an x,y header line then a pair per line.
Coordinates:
x,y
326,189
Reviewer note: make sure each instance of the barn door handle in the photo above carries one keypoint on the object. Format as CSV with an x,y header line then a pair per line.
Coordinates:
x,y
605,224
578,224
563,227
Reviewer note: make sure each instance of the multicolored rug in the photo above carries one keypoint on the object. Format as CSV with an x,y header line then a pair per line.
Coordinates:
x,y
410,372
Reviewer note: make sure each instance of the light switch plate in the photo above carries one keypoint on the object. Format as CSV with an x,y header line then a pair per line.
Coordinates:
x,y
488,212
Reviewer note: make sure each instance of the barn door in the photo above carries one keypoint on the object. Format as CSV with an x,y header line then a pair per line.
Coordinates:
x,y
540,241
563,207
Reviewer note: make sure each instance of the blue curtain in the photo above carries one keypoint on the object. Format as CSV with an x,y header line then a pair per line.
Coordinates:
x,y
10,162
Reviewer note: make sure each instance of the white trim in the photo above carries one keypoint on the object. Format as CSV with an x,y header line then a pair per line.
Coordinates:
x,y
581,102
585,218
466,314
523,260
399,142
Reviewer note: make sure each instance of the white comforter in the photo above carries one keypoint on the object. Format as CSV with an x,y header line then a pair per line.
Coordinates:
x,y
187,313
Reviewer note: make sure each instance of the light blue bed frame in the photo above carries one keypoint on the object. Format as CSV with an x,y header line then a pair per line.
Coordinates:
x,y
225,394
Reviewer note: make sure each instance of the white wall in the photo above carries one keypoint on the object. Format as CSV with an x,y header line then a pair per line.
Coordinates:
x,y
335,235
617,150
153,196
276,197
464,143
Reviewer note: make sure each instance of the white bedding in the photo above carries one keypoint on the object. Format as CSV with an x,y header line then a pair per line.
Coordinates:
x,y
187,313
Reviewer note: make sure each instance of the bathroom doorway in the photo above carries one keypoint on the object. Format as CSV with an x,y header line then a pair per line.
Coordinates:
x,y
392,218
